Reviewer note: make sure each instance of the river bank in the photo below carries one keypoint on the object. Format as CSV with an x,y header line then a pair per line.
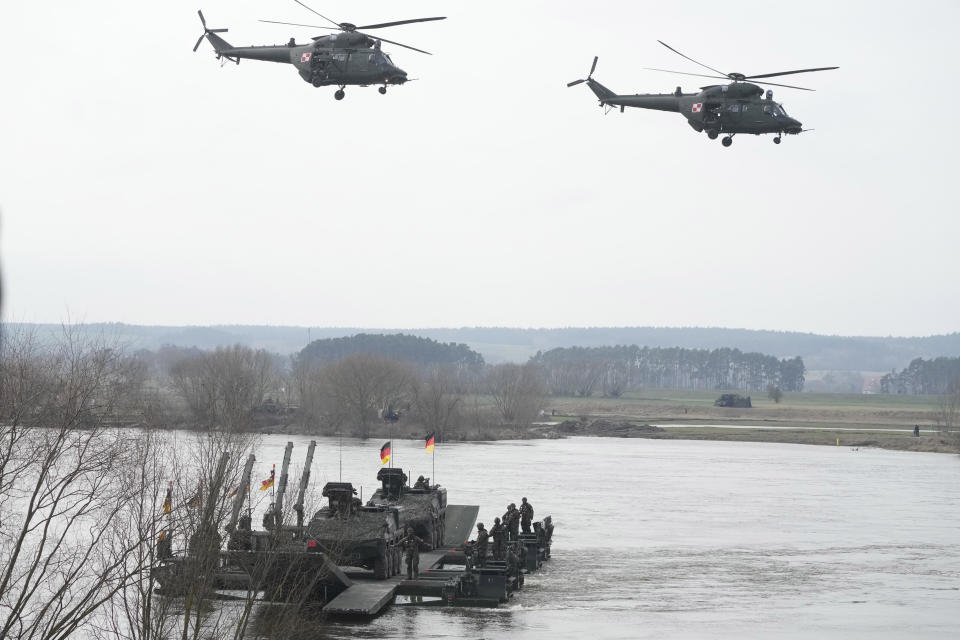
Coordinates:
x,y
853,420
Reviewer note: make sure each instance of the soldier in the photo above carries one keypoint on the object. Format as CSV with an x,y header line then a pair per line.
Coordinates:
x,y
499,533
513,565
421,483
512,520
411,544
165,545
526,515
482,537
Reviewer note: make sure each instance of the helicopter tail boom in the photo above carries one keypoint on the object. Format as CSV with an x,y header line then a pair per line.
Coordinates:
x,y
656,101
219,44
600,91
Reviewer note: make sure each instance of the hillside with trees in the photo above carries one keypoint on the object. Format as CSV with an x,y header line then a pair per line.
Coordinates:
x,y
503,344
407,348
612,371
937,376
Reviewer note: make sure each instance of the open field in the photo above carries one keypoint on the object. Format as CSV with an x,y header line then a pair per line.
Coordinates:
x,y
803,418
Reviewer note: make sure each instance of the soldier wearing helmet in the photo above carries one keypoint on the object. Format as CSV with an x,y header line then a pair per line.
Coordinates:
x,y
482,537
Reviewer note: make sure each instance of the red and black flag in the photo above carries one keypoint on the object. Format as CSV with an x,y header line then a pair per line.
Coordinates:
x,y
168,500
266,484
236,490
430,443
385,453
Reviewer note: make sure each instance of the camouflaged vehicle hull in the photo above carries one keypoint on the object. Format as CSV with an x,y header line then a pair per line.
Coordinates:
x,y
422,509
369,538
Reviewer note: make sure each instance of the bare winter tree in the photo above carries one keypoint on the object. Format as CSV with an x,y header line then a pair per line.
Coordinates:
x,y
360,388
774,393
517,392
948,412
222,387
616,379
437,403
63,490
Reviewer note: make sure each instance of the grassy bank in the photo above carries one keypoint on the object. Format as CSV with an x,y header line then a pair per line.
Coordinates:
x,y
801,418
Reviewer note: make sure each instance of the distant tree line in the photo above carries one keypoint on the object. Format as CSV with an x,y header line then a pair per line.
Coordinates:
x,y
406,348
936,376
583,371
350,385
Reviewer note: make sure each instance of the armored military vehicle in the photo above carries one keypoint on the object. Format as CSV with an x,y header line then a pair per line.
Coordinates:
x,y
355,535
422,507
734,400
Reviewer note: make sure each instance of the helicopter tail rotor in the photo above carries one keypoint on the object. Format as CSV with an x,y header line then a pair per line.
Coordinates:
x,y
207,32
593,68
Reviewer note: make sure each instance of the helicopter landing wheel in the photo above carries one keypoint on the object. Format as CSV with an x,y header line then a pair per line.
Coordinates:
x,y
712,134
727,141
383,91
339,94
776,140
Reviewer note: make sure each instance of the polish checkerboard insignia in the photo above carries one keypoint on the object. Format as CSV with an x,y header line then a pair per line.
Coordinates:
x,y
305,57
697,107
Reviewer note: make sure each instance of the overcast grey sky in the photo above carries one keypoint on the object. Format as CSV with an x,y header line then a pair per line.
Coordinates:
x,y
143,183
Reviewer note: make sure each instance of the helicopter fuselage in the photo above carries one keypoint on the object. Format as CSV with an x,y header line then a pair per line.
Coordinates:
x,y
339,59
739,107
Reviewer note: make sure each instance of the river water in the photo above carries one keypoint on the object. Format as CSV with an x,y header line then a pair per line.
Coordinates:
x,y
692,539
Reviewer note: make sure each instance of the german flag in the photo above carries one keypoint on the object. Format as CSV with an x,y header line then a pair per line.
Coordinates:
x,y
266,484
385,453
430,443
236,490
168,501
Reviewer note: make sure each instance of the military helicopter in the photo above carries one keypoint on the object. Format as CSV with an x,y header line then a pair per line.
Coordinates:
x,y
739,107
346,58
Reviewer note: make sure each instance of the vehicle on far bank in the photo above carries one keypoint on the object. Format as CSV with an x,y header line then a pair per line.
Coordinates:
x,y
733,400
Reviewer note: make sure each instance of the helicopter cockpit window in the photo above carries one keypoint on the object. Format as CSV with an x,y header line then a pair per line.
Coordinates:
x,y
733,108
768,109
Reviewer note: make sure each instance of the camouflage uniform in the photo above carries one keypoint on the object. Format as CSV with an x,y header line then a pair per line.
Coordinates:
x,y
499,533
411,545
482,537
511,519
526,515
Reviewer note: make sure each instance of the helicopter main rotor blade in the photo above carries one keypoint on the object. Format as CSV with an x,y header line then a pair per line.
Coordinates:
x,y
576,82
684,73
399,44
691,59
788,86
297,24
787,73
393,24
333,22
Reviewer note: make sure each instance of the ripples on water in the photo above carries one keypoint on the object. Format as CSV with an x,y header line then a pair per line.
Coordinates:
x,y
695,539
